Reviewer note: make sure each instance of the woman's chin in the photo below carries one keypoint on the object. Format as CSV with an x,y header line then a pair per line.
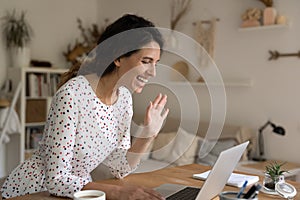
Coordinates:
x,y
138,90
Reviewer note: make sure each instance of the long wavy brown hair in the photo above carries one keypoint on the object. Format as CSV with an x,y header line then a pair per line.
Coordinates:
x,y
103,63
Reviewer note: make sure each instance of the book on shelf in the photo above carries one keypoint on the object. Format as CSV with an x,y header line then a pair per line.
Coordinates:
x,y
33,85
42,85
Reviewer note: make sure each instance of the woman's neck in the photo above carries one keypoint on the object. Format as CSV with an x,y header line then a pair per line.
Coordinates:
x,y
105,88
107,91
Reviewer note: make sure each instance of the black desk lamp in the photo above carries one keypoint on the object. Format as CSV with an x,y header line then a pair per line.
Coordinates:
x,y
276,129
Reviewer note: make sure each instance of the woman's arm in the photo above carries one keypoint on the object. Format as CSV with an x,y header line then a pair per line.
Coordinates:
x,y
154,118
59,146
115,192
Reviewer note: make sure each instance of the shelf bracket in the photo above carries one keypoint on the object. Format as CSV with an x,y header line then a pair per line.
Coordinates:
x,y
274,55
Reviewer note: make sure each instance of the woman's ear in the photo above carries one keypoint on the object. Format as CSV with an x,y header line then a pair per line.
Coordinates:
x,y
117,62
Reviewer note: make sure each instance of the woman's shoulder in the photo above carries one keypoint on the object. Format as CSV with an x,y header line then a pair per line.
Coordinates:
x,y
124,97
124,92
77,84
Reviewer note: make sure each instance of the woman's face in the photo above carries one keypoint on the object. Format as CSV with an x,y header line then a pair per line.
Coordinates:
x,y
135,70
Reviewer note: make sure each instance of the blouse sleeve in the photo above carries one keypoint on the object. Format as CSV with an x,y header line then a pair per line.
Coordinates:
x,y
117,160
62,124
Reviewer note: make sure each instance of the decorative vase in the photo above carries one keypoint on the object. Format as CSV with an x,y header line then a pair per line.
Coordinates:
x,y
269,16
281,19
19,57
269,182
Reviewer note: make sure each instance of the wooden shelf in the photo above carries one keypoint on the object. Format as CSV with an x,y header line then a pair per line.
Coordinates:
x,y
51,70
276,26
33,124
21,74
237,83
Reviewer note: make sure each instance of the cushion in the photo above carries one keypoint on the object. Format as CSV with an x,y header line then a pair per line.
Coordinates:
x,y
213,155
179,147
163,145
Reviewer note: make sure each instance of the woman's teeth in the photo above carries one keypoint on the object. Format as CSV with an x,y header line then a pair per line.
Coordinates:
x,y
142,79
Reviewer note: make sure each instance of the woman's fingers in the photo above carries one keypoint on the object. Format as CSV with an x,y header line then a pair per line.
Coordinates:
x,y
157,99
165,113
138,193
155,115
160,101
154,193
148,114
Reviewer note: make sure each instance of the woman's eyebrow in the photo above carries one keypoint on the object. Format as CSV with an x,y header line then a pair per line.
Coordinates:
x,y
151,59
148,58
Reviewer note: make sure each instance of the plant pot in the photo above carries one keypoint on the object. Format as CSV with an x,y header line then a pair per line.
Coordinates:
x,y
270,182
19,57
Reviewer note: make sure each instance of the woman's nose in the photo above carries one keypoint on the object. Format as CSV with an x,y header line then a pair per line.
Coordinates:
x,y
152,71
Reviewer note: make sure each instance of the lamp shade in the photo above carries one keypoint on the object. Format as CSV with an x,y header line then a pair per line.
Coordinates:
x,y
279,130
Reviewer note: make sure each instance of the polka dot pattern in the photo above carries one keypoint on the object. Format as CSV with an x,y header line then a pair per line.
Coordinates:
x,y
81,132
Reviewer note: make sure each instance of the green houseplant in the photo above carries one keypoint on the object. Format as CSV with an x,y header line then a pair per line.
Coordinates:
x,y
273,174
17,34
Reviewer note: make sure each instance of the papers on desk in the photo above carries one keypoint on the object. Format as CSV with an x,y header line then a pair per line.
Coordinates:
x,y
235,179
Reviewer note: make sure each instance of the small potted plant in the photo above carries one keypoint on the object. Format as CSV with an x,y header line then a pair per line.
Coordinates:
x,y
17,34
273,174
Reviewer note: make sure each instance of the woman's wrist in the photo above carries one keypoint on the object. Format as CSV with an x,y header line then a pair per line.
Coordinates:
x,y
139,145
144,132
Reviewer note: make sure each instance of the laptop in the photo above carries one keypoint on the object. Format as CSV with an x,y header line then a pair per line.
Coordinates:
x,y
215,181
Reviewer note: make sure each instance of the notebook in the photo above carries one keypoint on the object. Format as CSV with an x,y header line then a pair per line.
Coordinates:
x,y
215,181
235,179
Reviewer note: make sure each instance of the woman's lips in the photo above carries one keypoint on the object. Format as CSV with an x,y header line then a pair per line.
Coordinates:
x,y
142,79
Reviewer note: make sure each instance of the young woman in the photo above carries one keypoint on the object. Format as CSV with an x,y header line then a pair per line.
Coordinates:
x,y
90,115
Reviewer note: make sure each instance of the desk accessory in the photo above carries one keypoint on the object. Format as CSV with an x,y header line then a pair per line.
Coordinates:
x,y
286,190
273,174
242,189
283,189
276,129
231,195
252,192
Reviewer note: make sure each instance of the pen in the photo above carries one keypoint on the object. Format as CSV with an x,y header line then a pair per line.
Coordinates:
x,y
252,191
258,187
242,189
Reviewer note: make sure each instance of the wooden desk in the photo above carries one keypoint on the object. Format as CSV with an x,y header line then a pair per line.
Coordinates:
x,y
177,175
258,168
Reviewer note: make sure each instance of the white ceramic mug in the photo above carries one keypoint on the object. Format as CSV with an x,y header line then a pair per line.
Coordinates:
x,y
89,195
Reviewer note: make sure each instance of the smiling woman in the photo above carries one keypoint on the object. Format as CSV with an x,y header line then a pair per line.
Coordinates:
x,y
90,116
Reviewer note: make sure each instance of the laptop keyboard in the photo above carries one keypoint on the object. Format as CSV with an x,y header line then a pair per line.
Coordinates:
x,y
188,193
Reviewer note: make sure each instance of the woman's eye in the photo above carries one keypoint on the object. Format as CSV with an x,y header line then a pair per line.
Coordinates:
x,y
146,62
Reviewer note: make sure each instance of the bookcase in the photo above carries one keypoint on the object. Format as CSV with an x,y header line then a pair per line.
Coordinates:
x,y
38,86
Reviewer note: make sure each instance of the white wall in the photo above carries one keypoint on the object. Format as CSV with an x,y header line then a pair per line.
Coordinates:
x,y
274,94
54,24
243,55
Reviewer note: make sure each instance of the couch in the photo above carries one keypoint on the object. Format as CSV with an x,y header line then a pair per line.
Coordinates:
x,y
177,145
